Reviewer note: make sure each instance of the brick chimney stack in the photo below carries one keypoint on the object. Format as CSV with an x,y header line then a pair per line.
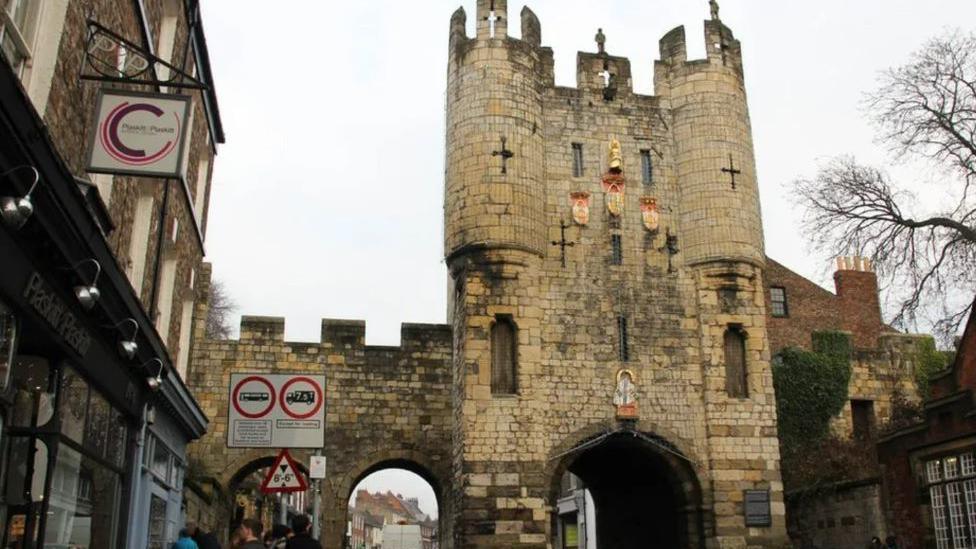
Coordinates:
x,y
857,291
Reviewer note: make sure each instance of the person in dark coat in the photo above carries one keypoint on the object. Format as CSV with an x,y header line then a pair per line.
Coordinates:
x,y
252,530
302,538
204,540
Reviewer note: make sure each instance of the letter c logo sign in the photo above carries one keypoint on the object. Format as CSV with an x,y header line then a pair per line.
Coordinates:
x,y
111,138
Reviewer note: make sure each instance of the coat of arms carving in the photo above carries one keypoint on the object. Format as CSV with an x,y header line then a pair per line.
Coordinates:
x,y
625,396
613,185
649,214
581,207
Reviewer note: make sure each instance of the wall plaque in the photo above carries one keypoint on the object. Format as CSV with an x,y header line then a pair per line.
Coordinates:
x,y
758,511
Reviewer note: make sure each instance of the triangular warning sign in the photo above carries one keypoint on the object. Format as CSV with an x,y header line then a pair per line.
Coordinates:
x,y
284,476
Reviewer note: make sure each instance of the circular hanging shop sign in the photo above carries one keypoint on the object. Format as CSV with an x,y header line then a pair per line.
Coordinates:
x,y
253,397
301,397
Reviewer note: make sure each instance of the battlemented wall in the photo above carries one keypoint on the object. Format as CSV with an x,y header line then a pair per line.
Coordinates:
x,y
678,295
386,406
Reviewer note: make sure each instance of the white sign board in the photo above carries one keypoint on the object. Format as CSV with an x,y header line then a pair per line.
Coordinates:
x,y
316,467
276,411
137,133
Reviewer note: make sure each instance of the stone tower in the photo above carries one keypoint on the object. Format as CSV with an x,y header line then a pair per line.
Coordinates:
x,y
607,309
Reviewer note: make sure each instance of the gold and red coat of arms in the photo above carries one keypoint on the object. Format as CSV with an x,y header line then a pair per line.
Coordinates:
x,y
649,214
581,207
613,185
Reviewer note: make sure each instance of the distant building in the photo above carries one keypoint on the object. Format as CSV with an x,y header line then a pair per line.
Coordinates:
x,y
372,511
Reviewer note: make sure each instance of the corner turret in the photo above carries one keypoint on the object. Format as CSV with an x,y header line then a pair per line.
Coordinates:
x,y
714,159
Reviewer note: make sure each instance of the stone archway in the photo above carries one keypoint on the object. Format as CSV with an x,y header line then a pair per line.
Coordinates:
x,y
643,488
415,462
243,468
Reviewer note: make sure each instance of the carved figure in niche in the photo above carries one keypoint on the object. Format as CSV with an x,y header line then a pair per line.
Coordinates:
x,y
625,396
601,41
615,156
581,207
713,4
649,214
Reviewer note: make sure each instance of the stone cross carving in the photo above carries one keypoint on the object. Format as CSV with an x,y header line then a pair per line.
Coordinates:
x,y
731,170
713,4
505,154
562,242
601,41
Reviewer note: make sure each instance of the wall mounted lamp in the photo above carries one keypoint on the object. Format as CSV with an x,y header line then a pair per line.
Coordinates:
x,y
155,382
88,295
128,346
16,211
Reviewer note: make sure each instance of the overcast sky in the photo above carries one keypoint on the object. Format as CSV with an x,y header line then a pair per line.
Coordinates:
x,y
327,196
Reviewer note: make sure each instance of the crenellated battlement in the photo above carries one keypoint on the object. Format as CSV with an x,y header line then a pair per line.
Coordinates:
x,y
344,335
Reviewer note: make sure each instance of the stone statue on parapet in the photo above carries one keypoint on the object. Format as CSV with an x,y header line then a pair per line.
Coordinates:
x,y
601,41
713,4
615,157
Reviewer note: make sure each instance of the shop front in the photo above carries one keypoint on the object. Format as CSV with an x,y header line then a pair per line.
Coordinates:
x,y
84,377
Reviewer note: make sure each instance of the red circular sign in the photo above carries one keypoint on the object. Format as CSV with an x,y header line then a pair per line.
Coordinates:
x,y
285,400
235,397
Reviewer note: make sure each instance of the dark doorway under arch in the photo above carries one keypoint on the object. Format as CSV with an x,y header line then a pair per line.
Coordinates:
x,y
246,500
642,489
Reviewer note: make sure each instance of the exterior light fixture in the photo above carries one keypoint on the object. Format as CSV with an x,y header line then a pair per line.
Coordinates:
x,y
155,382
16,211
88,295
128,346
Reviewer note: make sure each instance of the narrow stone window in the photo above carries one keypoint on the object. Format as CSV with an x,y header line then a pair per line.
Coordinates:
x,y
622,346
618,253
862,419
736,374
777,297
647,167
504,356
577,160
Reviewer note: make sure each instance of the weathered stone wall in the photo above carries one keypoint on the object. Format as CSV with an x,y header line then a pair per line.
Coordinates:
x,y
844,516
508,448
386,406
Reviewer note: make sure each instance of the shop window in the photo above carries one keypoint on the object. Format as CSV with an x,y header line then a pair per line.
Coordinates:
x,y
951,483
17,22
157,523
777,297
504,356
736,373
9,332
161,462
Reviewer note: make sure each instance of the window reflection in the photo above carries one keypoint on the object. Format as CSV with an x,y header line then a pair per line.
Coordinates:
x,y
32,392
83,503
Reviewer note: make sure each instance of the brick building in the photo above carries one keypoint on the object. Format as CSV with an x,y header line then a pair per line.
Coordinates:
x,y
97,288
929,468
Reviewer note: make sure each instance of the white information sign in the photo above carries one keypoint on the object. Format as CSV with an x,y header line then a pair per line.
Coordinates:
x,y
138,133
276,411
316,467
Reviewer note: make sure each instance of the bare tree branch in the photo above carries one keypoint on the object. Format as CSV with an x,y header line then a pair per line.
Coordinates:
x,y
222,307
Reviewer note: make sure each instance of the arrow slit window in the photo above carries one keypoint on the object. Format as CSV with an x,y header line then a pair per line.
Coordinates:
x,y
504,356
577,160
647,167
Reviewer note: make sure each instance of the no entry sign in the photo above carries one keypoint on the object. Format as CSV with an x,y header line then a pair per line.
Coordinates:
x,y
276,411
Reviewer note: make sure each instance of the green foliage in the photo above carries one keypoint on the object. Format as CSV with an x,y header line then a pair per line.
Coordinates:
x,y
930,362
811,388
835,345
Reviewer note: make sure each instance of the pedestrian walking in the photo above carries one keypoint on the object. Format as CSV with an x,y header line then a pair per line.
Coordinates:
x,y
876,543
891,542
185,541
205,540
279,536
237,538
251,530
302,538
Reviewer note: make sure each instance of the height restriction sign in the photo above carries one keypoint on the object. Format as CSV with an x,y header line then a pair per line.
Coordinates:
x,y
276,411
